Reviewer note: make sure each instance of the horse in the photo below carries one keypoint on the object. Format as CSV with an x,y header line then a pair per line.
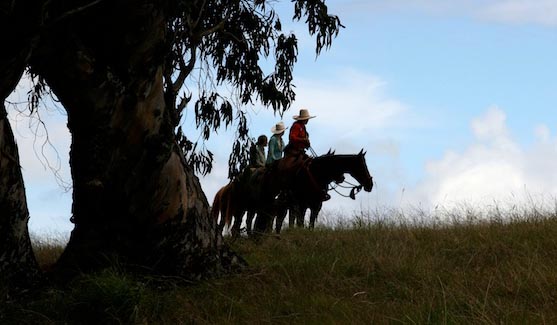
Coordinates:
x,y
222,205
252,192
322,171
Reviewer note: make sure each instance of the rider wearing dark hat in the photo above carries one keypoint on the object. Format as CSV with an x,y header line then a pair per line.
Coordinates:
x,y
257,152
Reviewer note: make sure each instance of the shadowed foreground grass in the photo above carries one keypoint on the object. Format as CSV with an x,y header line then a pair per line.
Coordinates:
x,y
363,272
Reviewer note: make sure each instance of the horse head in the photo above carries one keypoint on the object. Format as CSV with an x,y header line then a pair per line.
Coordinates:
x,y
361,172
332,167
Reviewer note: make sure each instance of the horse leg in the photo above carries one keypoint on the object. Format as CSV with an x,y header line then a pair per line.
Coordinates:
x,y
249,221
312,217
291,216
271,219
222,210
260,224
281,214
301,216
263,222
221,223
314,211
237,224
294,216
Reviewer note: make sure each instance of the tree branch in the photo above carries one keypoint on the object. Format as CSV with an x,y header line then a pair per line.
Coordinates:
x,y
212,30
185,70
76,11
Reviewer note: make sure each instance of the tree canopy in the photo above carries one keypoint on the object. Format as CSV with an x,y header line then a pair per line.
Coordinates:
x,y
228,40
216,46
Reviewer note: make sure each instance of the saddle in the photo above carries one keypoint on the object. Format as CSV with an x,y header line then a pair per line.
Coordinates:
x,y
292,168
289,166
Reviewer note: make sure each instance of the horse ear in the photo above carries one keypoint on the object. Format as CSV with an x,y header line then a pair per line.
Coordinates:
x,y
361,152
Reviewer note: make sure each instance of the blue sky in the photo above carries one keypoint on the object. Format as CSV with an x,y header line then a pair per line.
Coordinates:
x,y
454,103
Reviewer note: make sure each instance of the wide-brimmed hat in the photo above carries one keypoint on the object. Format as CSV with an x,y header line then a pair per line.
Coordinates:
x,y
278,128
304,115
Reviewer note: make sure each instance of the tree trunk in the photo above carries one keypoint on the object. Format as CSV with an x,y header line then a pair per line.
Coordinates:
x,y
18,267
134,197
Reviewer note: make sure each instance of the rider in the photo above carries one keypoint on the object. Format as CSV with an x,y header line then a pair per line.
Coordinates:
x,y
298,137
297,145
276,144
257,152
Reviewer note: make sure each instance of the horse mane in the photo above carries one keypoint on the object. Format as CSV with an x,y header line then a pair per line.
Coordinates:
x,y
331,152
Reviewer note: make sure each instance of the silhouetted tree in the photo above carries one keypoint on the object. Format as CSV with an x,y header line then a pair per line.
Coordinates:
x,y
119,68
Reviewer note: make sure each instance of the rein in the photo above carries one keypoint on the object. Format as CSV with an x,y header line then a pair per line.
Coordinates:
x,y
355,189
313,153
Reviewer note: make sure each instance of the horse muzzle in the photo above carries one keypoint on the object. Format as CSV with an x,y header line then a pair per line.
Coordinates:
x,y
369,186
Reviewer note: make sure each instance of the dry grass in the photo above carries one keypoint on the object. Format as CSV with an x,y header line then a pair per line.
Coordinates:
x,y
48,248
464,268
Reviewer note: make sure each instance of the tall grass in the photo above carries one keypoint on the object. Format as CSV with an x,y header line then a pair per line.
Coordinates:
x,y
387,267
48,247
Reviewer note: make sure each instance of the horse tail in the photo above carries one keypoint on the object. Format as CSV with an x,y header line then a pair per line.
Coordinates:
x,y
216,207
228,206
223,205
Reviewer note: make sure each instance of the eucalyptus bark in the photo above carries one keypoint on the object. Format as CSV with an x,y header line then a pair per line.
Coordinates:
x,y
18,267
134,197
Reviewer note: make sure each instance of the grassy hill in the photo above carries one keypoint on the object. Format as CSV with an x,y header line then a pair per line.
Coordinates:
x,y
502,269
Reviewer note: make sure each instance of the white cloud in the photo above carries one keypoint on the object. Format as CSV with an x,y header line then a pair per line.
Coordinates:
x,y
353,111
431,6
495,168
543,133
350,104
492,129
542,12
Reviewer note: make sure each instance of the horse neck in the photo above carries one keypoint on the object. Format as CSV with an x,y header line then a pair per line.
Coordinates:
x,y
330,165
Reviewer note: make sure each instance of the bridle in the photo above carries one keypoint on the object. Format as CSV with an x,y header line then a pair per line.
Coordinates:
x,y
354,189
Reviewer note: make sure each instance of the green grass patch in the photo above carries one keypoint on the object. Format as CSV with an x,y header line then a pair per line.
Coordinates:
x,y
366,271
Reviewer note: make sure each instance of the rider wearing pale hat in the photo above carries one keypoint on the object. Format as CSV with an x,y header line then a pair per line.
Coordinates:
x,y
296,148
276,144
298,138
